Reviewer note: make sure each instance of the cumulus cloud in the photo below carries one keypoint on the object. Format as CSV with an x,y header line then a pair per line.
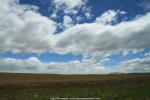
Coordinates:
x,y
69,6
75,8
107,17
33,65
15,65
23,29
67,22
102,40
134,66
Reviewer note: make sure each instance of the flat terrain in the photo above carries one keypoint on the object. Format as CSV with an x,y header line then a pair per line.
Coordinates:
x,y
44,86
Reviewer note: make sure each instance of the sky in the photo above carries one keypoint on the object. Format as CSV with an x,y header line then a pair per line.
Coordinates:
x,y
75,36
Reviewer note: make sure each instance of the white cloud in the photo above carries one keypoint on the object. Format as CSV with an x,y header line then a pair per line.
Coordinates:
x,y
23,29
79,18
68,22
135,65
33,65
69,6
122,12
87,11
76,8
107,17
15,65
102,40
88,15
54,15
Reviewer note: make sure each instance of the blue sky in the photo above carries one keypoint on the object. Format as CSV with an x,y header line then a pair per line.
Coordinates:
x,y
60,31
97,7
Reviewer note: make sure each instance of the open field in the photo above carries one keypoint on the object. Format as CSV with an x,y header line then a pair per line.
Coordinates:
x,y
43,87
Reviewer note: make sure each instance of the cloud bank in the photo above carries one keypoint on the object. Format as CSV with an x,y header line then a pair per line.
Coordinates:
x,y
33,65
134,66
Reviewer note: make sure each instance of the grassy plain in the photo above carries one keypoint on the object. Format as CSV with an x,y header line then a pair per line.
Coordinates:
x,y
15,86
